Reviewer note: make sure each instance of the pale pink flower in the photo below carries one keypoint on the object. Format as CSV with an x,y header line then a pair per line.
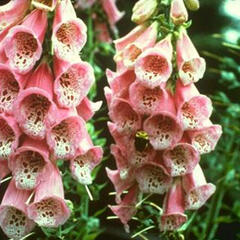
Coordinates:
x,y
173,208
178,12
49,208
205,139
127,120
194,109
66,135
48,5
28,163
14,220
86,109
23,43
127,208
198,191
180,159
143,10
11,84
34,108
73,81
82,164
12,12
190,65
69,32
9,136
152,178
113,14
145,100
153,67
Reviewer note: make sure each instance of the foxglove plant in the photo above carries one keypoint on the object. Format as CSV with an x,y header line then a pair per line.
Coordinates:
x,y
43,113
152,99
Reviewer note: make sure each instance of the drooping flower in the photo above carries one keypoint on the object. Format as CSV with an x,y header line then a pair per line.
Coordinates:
x,y
194,109
9,136
11,84
82,164
23,43
12,12
72,83
153,68
198,191
190,65
49,208
34,108
113,14
173,208
65,136
69,32
28,163
14,219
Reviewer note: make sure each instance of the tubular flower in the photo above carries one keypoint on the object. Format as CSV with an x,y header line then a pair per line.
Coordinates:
x,y
12,12
34,107
69,32
14,219
49,208
23,43
159,121
42,114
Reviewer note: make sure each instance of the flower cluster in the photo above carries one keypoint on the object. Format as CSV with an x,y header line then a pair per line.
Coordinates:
x,y
42,114
159,133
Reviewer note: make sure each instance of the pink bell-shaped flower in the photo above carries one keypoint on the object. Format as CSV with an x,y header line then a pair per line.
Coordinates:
x,y
134,49
48,5
190,65
147,101
120,184
205,139
11,84
34,108
163,128
49,208
178,12
12,12
82,165
23,43
67,134
73,82
125,118
173,208
28,163
69,32
152,178
198,191
153,67
14,220
181,159
9,136
86,109
127,208
113,14
194,109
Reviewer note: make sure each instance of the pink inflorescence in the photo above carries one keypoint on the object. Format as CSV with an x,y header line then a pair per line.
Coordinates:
x,y
159,134
43,114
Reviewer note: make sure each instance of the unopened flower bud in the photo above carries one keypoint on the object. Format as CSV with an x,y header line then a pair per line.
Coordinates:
x,y
143,10
192,5
178,12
